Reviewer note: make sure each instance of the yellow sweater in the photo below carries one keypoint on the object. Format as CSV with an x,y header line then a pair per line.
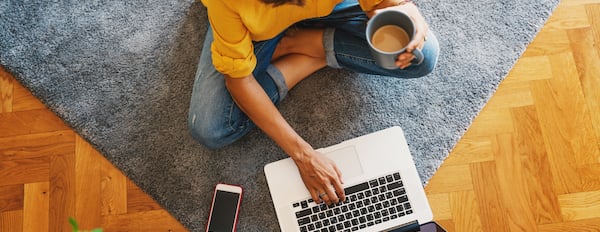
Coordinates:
x,y
236,23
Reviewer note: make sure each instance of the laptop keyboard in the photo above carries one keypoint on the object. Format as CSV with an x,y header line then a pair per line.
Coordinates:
x,y
367,204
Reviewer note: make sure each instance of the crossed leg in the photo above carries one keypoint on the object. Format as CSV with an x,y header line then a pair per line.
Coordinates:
x,y
299,54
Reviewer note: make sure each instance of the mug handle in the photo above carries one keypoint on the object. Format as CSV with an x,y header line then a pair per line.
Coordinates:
x,y
419,57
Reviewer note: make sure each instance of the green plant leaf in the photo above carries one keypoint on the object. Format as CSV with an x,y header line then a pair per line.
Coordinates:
x,y
74,224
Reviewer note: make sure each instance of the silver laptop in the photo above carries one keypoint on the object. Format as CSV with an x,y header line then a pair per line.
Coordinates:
x,y
382,186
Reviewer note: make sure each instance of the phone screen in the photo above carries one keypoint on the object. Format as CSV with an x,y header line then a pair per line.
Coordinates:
x,y
224,212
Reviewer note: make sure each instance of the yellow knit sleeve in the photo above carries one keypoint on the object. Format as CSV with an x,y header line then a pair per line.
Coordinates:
x,y
368,5
232,50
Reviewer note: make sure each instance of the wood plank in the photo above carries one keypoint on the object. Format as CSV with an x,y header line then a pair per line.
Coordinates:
x,y
11,221
62,191
114,188
138,200
448,225
593,13
465,211
36,206
590,177
11,197
589,225
37,145
587,62
23,100
511,94
440,205
569,143
578,2
582,205
155,220
487,191
461,180
548,42
568,17
529,68
24,171
29,122
491,121
536,167
513,183
471,150
88,180
6,91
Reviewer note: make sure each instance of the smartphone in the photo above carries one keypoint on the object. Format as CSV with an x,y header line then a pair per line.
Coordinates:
x,y
224,208
432,227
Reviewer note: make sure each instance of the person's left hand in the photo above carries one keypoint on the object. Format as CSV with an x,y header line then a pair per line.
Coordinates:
x,y
421,26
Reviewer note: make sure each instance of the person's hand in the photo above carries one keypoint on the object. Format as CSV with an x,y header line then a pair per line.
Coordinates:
x,y
421,26
322,177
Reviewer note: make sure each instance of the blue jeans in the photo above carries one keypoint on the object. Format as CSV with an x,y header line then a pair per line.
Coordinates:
x,y
216,121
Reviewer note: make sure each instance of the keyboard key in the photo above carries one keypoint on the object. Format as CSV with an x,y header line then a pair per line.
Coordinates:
x,y
341,218
389,178
304,204
377,221
402,199
362,219
361,195
396,176
407,205
325,223
381,180
373,183
329,213
385,219
296,204
321,215
314,218
323,207
344,208
303,221
318,225
339,226
311,227
316,209
347,224
303,229
332,228
356,188
399,208
409,211
393,185
348,215
303,213
362,226
393,216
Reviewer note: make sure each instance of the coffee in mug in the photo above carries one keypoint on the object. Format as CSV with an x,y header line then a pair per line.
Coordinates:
x,y
388,33
390,38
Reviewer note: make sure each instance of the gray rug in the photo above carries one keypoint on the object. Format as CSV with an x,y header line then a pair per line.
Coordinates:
x,y
120,73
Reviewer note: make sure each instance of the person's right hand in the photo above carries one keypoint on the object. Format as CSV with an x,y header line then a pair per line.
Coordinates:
x,y
321,176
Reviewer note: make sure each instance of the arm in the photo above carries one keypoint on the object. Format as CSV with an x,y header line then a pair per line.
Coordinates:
x,y
318,172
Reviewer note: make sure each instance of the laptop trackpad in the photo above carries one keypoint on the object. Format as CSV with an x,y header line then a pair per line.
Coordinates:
x,y
347,161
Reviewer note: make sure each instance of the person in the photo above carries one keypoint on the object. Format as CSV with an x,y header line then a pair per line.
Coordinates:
x,y
257,50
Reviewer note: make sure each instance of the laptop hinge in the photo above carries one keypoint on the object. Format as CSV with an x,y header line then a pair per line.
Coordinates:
x,y
412,226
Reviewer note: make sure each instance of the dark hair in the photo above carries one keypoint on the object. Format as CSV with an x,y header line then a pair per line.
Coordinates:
x,y
281,2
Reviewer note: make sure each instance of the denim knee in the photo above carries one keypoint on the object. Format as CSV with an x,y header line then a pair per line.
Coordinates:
x,y
204,133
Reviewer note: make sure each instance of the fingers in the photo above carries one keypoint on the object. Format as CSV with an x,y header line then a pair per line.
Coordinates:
x,y
315,196
338,184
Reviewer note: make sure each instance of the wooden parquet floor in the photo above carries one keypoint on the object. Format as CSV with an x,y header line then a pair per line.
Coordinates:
x,y
529,162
